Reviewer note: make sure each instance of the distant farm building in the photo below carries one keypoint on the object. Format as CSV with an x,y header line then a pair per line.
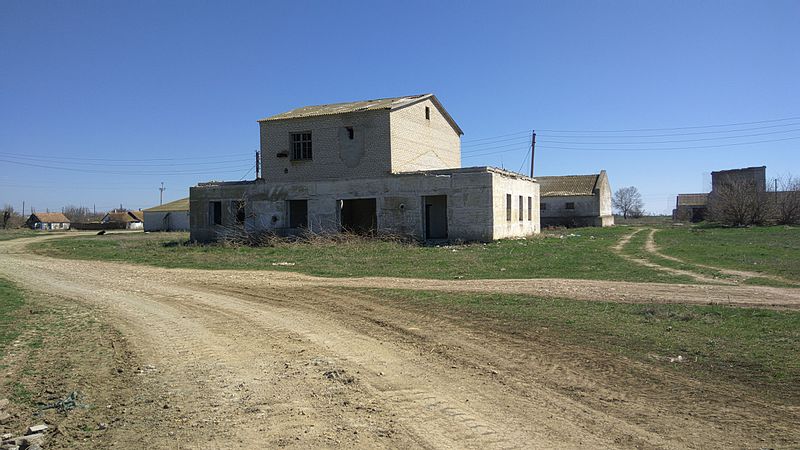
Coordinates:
x,y
172,216
694,207
127,220
576,200
48,221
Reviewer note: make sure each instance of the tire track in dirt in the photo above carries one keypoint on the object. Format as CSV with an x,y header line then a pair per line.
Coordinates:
x,y
619,249
652,247
254,360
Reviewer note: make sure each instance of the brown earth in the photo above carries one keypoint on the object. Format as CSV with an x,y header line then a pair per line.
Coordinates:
x,y
264,359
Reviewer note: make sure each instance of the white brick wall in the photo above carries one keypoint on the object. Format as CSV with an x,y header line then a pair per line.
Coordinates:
x,y
423,144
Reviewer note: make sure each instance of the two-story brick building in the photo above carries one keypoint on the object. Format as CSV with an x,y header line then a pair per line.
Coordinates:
x,y
388,165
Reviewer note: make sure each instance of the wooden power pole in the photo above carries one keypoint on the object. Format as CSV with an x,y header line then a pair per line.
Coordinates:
x,y
533,149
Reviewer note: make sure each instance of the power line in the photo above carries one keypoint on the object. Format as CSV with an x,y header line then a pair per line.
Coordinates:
x,y
104,164
674,140
671,148
117,160
72,169
691,133
673,128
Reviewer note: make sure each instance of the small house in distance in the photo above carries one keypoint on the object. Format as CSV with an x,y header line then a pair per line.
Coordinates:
x,y
690,207
47,221
576,200
172,216
124,220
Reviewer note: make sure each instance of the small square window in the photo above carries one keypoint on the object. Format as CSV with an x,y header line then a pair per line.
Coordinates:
x,y
542,206
569,205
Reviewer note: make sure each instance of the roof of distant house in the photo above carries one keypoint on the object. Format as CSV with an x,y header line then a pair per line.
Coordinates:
x,y
392,103
123,216
692,199
177,205
567,185
55,217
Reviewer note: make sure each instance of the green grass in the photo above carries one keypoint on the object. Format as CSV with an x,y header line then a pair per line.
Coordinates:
x,y
754,346
577,254
769,250
11,300
14,233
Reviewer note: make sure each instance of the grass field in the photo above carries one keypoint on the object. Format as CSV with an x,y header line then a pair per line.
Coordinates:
x,y
11,300
771,250
14,233
757,347
578,254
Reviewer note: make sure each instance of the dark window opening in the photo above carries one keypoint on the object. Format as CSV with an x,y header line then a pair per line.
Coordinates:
x,y
349,132
238,208
570,205
301,146
215,213
298,213
521,209
428,112
508,207
530,208
359,215
542,206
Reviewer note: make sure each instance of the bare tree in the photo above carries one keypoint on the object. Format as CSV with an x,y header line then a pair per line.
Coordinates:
x,y
10,218
628,201
79,214
738,202
786,200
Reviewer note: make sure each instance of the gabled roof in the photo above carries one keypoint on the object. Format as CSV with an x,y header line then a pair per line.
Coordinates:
x,y
56,217
123,216
566,185
393,103
692,199
177,205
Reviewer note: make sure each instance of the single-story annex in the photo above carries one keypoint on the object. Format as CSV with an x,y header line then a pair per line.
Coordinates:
x,y
576,200
172,216
390,165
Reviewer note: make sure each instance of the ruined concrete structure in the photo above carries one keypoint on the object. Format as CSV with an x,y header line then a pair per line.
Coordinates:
x,y
694,207
576,200
390,165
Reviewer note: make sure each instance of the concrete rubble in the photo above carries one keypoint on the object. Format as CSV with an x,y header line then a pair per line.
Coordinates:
x,y
33,439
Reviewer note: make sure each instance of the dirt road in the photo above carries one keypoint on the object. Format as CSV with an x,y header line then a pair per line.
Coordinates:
x,y
262,359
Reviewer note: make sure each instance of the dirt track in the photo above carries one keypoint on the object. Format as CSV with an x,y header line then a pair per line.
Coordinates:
x,y
264,359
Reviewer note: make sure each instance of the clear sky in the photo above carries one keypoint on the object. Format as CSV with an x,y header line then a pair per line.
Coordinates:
x,y
100,101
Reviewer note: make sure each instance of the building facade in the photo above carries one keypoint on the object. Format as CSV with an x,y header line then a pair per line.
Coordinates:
x,y
385,166
172,216
694,207
48,221
576,200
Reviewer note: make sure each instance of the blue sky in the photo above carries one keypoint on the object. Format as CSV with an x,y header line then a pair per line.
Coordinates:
x,y
101,101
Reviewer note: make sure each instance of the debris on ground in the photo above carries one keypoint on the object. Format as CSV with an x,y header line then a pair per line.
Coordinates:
x,y
66,404
339,375
283,263
33,439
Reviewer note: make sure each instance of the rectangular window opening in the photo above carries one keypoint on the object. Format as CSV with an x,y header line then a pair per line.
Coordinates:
x,y
508,207
349,132
428,112
238,208
530,208
569,205
521,209
542,206
215,213
301,145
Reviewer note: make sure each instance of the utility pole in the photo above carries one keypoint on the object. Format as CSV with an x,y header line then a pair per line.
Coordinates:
x,y
533,149
23,208
161,194
258,165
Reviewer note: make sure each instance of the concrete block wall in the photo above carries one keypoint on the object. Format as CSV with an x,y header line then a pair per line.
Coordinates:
x,y
335,155
423,144
502,186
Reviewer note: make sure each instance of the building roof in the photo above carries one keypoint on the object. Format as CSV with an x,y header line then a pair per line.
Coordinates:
x,y
392,104
743,169
567,185
55,217
123,216
692,199
177,205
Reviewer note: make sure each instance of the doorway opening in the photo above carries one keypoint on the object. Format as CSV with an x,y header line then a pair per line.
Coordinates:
x,y
359,215
435,216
